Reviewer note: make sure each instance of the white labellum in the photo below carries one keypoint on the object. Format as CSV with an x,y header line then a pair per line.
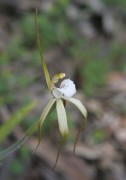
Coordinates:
x,y
67,88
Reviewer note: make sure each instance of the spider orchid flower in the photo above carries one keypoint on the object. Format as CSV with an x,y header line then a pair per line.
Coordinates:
x,y
60,95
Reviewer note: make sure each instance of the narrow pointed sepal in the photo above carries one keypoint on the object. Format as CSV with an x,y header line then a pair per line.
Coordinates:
x,y
63,140
78,104
43,117
62,118
83,110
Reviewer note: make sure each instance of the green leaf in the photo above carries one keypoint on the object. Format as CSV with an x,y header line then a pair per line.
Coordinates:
x,y
28,133
62,119
46,73
16,167
12,148
21,141
14,120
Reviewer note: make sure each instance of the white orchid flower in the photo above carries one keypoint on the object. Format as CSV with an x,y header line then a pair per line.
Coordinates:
x,y
60,95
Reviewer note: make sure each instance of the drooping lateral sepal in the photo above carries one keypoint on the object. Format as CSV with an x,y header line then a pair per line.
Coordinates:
x,y
83,110
78,104
43,117
62,118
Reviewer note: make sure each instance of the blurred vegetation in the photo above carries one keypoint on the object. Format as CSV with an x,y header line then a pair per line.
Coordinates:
x,y
97,136
14,120
18,164
55,30
121,3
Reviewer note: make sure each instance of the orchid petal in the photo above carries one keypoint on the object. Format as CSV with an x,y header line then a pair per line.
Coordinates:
x,y
67,89
42,118
62,119
46,111
56,93
78,104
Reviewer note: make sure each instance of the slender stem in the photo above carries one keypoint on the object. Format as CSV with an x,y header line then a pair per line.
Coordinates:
x,y
63,140
76,140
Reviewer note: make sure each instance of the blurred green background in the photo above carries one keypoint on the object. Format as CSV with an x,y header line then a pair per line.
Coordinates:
x,y
87,41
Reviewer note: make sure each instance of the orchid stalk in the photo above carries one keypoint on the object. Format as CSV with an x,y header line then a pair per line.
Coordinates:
x,y
59,98
60,95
